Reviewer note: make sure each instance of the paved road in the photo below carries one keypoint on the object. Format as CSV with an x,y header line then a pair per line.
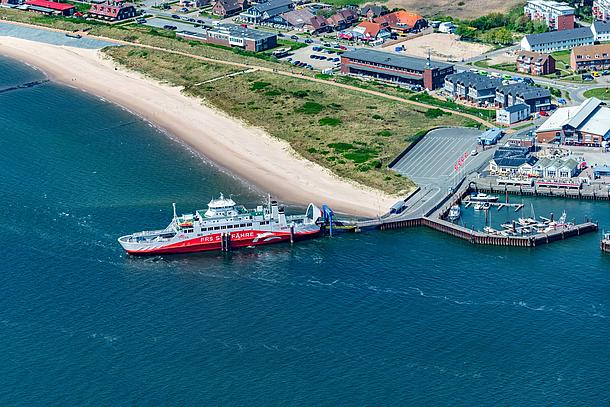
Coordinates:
x,y
431,164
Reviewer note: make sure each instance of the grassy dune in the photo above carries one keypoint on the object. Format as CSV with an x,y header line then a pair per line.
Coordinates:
x,y
353,134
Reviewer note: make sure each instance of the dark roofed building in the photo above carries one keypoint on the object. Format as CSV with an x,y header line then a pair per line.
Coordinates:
x,y
267,12
226,8
112,10
472,87
394,68
536,98
342,19
305,20
372,11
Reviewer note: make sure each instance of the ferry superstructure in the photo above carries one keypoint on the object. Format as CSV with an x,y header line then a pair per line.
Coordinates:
x,y
224,224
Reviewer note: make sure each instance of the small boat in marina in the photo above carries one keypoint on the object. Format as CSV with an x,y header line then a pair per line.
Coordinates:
x,y
482,206
454,213
481,197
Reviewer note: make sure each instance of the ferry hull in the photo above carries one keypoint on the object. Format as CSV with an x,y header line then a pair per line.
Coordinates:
x,y
214,242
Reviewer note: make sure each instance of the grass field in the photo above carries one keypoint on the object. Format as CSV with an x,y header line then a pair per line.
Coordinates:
x,y
600,93
353,134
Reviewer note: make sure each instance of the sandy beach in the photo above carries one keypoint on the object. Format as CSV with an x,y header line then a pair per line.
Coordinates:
x,y
248,152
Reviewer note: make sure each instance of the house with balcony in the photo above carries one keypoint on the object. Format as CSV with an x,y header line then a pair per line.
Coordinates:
x,y
535,63
557,16
112,10
601,10
590,58
268,12
538,99
402,21
472,87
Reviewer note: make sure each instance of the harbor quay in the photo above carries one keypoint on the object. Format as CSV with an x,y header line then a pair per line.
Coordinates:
x,y
435,219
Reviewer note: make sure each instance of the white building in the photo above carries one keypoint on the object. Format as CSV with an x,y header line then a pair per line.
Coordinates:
x,y
553,41
557,16
601,10
601,30
513,114
447,27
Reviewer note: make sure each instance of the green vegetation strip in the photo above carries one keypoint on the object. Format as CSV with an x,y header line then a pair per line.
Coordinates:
x,y
353,134
600,93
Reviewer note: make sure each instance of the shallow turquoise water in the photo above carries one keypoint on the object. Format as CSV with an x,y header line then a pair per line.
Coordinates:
x,y
407,317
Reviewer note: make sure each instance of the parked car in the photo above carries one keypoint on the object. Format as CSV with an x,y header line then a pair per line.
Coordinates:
x,y
326,44
529,81
587,77
289,59
294,37
543,113
605,73
201,21
141,20
322,57
474,152
312,56
184,9
308,41
296,62
176,16
170,27
280,35
342,47
561,101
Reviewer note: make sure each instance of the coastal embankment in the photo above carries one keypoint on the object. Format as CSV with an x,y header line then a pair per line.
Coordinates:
x,y
246,151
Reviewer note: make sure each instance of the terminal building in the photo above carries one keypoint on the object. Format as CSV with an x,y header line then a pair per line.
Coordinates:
x,y
557,16
587,125
231,35
398,69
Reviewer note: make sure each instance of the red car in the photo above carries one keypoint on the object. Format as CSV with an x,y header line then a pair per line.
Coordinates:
x,y
543,113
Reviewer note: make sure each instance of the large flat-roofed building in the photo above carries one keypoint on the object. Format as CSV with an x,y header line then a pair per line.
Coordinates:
x,y
50,7
557,16
590,57
601,10
231,35
587,124
394,68
558,40
535,63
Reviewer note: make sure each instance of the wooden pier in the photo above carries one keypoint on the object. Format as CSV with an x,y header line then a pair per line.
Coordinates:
x,y
588,193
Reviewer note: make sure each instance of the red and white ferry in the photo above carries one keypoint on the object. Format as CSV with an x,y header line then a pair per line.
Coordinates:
x,y
222,226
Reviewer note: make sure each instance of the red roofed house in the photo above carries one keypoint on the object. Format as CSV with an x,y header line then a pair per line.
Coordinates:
x,y
112,10
368,31
402,20
50,7
342,19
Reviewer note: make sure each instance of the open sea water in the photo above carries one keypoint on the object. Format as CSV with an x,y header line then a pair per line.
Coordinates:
x,y
409,317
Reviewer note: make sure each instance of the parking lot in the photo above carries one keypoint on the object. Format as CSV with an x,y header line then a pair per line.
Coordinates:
x,y
431,164
433,159
304,55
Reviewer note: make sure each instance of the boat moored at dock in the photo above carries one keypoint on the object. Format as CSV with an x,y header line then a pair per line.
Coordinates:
x,y
222,226
481,197
454,213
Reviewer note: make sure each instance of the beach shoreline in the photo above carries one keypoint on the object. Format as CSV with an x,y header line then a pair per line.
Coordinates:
x,y
247,152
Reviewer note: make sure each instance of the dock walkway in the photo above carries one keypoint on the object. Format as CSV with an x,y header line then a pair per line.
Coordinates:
x,y
434,219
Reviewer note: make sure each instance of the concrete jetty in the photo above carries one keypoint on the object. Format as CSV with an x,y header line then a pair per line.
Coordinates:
x,y
434,219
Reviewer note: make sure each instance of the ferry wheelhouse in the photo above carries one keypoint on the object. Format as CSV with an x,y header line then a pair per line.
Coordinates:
x,y
223,226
